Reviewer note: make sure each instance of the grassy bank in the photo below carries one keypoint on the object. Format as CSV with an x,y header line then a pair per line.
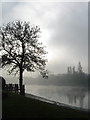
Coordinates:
x,y
17,106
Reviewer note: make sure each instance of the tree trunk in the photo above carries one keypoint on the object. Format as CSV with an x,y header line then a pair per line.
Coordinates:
x,y
21,70
21,81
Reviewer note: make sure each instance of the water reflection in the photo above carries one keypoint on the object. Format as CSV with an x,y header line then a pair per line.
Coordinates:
x,y
75,96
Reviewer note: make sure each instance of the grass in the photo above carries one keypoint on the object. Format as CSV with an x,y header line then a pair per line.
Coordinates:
x,y
17,106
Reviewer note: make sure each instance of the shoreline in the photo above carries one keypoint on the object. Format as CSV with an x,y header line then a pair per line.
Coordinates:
x,y
55,102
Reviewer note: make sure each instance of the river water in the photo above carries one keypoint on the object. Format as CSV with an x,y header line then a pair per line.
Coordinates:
x,y
74,96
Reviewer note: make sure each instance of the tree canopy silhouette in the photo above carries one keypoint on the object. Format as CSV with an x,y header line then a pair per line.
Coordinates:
x,y
21,49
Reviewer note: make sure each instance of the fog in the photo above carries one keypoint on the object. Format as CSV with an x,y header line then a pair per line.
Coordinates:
x,y
64,32
73,96
58,87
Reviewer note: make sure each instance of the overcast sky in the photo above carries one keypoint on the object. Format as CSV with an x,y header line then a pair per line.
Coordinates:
x,y
64,30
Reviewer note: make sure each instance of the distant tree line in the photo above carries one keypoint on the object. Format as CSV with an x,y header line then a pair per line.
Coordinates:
x,y
73,77
71,70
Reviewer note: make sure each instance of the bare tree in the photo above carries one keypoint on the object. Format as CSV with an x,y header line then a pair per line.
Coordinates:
x,y
21,50
80,68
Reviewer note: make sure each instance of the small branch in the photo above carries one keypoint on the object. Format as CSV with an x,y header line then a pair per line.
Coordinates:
x,y
12,56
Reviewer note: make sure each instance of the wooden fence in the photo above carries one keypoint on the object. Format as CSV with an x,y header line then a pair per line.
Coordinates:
x,y
14,88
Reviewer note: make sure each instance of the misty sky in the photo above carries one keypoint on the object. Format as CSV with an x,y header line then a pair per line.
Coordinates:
x,y
64,30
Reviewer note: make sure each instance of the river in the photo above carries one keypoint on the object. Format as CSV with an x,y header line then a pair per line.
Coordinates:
x,y
74,96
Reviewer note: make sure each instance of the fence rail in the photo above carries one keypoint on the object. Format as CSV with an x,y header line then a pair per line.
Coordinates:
x,y
11,87
14,88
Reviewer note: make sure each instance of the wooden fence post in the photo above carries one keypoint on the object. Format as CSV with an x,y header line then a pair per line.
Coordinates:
x,y
10,87
16,88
